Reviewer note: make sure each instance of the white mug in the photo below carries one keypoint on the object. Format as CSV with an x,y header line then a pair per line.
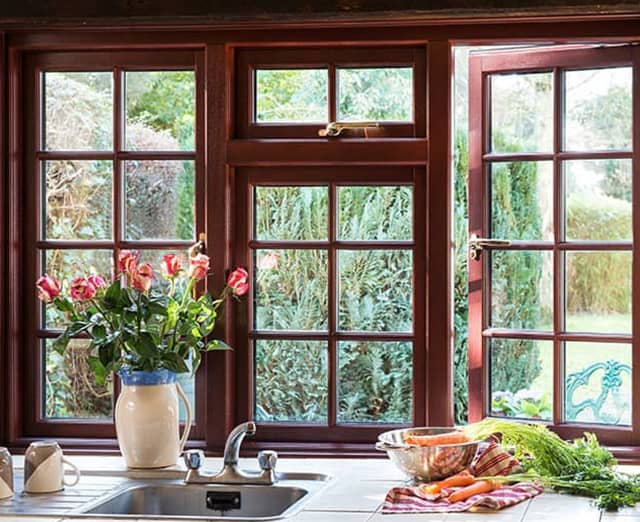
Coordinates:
x,y
44,468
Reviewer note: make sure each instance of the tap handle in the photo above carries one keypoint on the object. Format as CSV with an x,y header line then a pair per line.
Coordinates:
x,y
267,460
193,459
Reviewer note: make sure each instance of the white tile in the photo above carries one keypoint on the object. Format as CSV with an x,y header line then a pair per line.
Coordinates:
x,y
349,495
408,517
329,516
562,508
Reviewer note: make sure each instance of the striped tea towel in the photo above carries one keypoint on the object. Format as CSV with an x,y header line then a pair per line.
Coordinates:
x,y
491,460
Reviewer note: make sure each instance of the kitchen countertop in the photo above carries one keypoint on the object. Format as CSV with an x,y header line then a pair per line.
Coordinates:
x,y
355,494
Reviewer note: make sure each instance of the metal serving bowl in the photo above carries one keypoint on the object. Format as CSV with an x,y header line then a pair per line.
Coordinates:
x,y
425,464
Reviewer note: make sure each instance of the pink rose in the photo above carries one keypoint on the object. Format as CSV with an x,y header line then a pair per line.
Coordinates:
x,y
171,265
237,281
48,288
97,281
82,289
142,277
128,261
198,266
269,261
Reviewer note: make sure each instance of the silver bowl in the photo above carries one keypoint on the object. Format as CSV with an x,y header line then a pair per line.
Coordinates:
x,y
425,464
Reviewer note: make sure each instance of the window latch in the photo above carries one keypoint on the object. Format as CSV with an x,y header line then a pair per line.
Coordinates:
x,y
476,244
334,128
199,247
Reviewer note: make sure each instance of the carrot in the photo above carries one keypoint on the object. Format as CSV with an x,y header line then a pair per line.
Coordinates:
x,y
453,437
464,478
480,486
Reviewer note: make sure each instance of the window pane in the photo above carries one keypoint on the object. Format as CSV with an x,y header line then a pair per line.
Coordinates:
x,y
375,382
598,109
598,292
375,290
160,199
160,110
291,290
70,390
598,386
522,289
78,111
78,198
291,381
375,94
291,95
188,383
291,213
522,200
64,265
521,378
375,213
522,112
598,199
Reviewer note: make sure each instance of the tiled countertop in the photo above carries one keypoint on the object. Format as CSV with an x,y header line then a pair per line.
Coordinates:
x,y
354,495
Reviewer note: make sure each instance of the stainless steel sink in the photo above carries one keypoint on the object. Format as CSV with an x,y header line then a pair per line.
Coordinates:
x,y
176,500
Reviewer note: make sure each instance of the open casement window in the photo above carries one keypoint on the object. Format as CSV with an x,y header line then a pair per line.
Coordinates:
x,y
292,93
113,158
553,308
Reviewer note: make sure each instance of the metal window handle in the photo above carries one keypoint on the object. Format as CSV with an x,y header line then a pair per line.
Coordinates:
x,y
199,247
476,244
334,129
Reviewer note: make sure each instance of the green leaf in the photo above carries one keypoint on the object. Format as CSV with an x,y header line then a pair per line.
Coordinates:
x,y
99,332
174,362
60,344
216,344
112,299
63,304
78,327
98,369
145,345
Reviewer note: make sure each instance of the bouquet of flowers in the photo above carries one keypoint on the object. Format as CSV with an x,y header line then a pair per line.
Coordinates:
x,y
134,325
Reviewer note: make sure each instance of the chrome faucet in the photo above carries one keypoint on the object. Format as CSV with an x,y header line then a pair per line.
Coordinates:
x,y
230,472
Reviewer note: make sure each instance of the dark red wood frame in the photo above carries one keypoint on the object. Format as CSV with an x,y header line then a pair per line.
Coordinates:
x,y
481,158
222,153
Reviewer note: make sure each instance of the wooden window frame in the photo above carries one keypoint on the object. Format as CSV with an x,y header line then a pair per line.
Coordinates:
x,y
481,158
35,422
331,178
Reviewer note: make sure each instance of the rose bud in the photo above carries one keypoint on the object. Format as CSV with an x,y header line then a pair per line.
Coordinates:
x,y
142,277
199,266
82,289
237,281
171,265
48,288
128,261
269,261
97,281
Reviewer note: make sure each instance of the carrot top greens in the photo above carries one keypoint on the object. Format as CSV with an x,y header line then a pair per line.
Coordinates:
x,y
581,467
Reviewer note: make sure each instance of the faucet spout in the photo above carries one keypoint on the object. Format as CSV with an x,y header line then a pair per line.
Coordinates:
x,y
234,441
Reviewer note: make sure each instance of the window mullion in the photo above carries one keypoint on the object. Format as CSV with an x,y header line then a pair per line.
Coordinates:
x,y
333,300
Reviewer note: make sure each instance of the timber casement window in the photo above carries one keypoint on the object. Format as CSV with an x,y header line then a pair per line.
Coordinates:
x,y
555,126
113,159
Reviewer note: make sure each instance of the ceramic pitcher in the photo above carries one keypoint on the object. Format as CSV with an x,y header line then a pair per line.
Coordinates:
x,y
147,419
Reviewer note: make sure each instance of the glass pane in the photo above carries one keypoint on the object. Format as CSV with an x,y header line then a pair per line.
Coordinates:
x,y
64,265
522,289
291,381
78,199
598,199
522,112
598,385
376,291
160,199
78,111
160,110
375,382
375,213
375,94
522,200
598,109
598,292
521,378
188,383
291,213
291,290
291,95
70,390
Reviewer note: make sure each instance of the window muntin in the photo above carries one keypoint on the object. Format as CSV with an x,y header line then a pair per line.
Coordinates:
x,y
584,239
86,199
